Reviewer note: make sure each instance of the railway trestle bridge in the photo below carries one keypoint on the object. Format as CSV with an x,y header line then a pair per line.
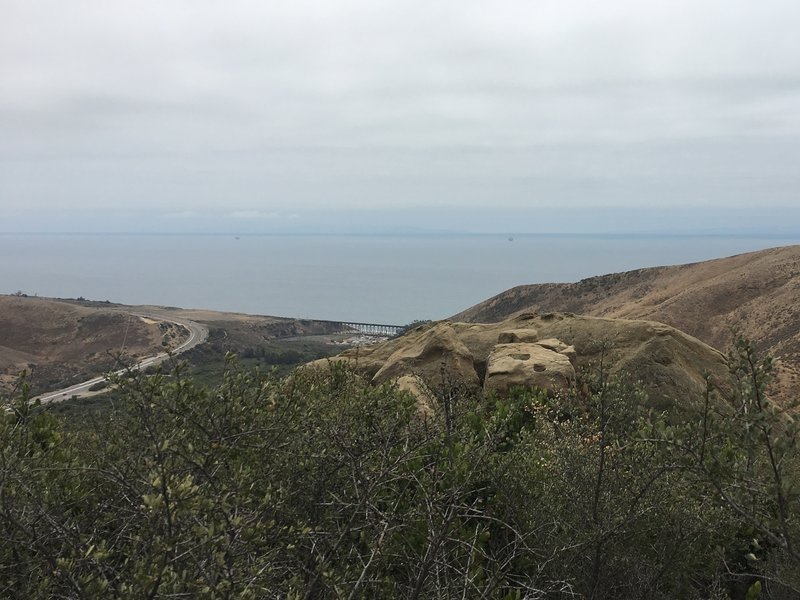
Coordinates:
x,y
371,329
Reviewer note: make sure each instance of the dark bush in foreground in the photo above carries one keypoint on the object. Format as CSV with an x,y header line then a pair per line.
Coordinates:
x,y
322,486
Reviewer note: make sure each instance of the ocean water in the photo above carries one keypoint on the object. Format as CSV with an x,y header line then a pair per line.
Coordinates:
x,y
374,279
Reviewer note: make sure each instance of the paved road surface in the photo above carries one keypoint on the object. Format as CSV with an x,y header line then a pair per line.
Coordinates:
x,y
197,335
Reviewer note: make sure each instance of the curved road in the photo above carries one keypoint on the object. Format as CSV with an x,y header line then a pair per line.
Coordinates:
x,y
197,335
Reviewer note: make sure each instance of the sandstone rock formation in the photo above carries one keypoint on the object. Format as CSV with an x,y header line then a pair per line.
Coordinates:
x,y
419,391
436,355
669,363
527,365
518,335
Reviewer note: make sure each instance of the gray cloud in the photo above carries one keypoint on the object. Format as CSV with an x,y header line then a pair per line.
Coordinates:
x,y
269,106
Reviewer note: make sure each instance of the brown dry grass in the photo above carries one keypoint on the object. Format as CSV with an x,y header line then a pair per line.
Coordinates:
x,y
67,341
59,342
757,294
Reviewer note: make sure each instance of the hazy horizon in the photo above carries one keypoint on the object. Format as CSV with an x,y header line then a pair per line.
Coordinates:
x,y
710,220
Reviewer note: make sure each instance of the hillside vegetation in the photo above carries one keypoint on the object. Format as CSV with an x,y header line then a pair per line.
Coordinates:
x,y
322,485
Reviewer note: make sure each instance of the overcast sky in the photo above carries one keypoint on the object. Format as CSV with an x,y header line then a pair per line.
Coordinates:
x,y
264,115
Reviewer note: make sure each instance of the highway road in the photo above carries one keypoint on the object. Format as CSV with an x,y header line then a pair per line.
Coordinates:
x,y
198,334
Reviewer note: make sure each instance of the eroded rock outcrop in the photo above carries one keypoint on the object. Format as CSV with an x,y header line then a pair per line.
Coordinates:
x,y
438,355
527,365
668,363
420,391
511,336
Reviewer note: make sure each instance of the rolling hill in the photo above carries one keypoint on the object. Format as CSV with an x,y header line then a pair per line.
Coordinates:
x,y
757,294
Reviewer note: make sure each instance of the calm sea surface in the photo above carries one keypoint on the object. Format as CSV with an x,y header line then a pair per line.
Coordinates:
x,y
387,279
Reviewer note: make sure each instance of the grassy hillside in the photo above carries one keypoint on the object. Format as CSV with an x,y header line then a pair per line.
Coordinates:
x,y
757,294
60,342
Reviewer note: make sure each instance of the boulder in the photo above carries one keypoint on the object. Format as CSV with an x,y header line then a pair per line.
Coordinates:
x,y
527,366
419,391
436,356
553,344
511,336
570,353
